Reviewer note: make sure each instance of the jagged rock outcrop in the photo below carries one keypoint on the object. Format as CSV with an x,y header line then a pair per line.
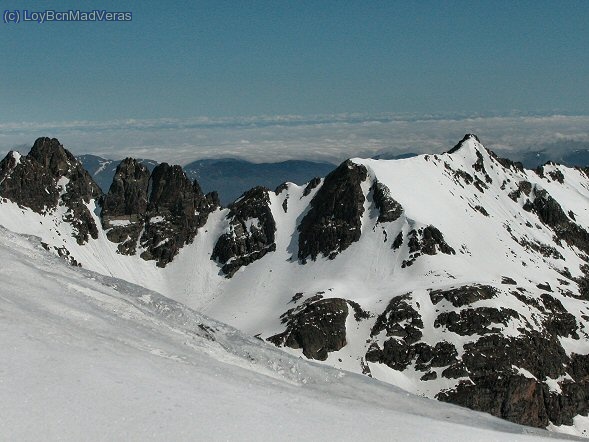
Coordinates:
x,y
125,205
403,327
426,241
164,207
316,326
251,232
464,295
334,221
175,211
495,385
550,212
47,177
389,209
458,145
512,377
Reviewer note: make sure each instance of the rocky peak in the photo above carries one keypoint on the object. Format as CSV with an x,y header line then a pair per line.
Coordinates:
x,y
165,205
52,155
128,192
464,143
171,191
35,181
251,232
334,221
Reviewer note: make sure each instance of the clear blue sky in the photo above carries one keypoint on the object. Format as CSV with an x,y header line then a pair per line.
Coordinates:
x,y
227,58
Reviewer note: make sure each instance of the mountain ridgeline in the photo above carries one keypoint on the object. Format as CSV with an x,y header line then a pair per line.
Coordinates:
x,y
459,276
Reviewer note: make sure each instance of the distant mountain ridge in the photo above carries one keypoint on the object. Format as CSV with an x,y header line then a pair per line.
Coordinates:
x,y
229,177
459,276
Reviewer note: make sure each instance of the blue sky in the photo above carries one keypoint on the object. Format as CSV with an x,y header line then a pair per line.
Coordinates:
x,y
201,58
215,59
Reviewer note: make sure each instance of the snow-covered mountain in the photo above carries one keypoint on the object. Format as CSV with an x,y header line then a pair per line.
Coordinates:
x,y
461,276
90,357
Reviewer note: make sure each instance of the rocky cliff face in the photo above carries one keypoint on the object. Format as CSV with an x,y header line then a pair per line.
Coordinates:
x,y
333,221
125,205
251,232
158,213
48,177
177,208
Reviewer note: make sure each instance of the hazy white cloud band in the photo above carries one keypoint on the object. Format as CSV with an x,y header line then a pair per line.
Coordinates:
x,y
330,138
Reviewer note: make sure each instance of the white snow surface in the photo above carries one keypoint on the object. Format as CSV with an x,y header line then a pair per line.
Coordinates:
x,y
89,357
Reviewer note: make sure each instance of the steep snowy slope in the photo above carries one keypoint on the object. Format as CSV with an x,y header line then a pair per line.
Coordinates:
x,y
459,276
88,357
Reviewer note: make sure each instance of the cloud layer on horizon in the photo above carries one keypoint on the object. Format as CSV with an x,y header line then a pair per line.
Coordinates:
x,y
331,138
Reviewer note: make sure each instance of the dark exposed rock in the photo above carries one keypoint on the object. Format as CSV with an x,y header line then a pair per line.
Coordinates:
x,y
398,242
50,175
317,327
556,175
465,176
359,312
281,188
441,355
466,137
579,367
482,210
455,371
544,286
507,163
494,386
63,253
251,232
432,240
582,282
127,195
475,321
523,187
545,250
508,280
311,185
389,209
403,325
479,166
399,319
515,398
522,400
398,354
164,207
427,240
296,297
176,209
559,321
429,376
551,214
334,221
125,205
542,355
464,295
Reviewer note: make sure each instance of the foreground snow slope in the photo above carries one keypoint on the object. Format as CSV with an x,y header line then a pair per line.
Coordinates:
x,y
88,357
